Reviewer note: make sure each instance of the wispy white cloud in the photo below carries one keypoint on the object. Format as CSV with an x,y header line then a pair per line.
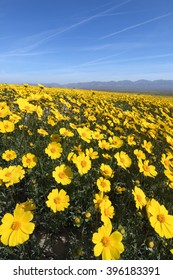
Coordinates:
x,y
98,60
88,19
120,45
120,62
120,13
136,25
36,40
24,53
102,6
80,67
85,65
97,47
147,57
110,61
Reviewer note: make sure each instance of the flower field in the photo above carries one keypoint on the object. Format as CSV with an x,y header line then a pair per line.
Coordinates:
x,y
85,175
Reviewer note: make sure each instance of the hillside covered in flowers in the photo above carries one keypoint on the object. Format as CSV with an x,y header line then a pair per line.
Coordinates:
x,y
85,175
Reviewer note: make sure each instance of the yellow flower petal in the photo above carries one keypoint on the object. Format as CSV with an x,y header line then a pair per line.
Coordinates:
x,y
96,238
115,253
167,230
14,238
116,236
106,254
28,228
98,249
8,218
5,236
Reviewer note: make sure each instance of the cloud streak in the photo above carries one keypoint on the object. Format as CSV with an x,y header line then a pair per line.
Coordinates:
x,y
108,60
48,35
23,53
138,58
119,61
136,25
30,43
98,60
88,19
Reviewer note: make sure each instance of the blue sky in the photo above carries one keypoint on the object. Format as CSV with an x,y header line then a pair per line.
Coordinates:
x,y
65,41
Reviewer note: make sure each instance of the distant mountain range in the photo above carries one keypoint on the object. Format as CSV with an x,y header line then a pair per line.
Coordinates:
x,y
125,85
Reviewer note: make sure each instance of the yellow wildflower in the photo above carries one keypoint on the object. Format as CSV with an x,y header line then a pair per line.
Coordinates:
x,y
29,160
159,219
63,174
9,155
54,150
146,169
107,244
15,229
139,197
57,200
123,159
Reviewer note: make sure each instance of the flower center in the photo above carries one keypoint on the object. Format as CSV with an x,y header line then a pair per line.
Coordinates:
x,y
139,198
57,200
107,212
53,150
61,175
16,225
8,155
167,162
99,201
83,163
161,218
27,107
106,172
103,184
8,174
105,241
28,160
146,168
